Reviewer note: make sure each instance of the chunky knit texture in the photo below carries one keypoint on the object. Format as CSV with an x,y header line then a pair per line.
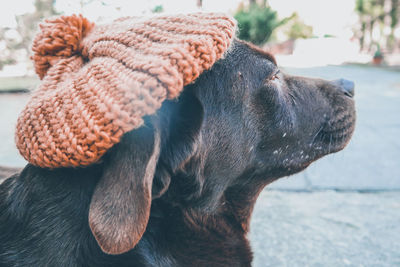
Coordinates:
x,y
98,81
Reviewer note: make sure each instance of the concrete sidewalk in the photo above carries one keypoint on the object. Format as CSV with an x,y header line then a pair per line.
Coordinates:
x,y
326,229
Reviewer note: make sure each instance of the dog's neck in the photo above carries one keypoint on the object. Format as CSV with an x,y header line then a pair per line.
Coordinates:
x,y
201,238
189,238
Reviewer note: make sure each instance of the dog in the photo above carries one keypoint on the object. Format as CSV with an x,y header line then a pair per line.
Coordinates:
x,y
180,190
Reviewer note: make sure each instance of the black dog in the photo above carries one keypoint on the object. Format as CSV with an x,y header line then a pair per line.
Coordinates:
x,y
180,190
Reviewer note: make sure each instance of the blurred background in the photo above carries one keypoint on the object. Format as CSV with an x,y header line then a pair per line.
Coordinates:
x,y
344,210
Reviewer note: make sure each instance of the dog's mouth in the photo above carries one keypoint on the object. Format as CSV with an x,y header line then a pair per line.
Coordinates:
x,y
332,136
335,133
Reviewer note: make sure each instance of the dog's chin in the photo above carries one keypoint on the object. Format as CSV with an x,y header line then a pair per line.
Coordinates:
x,y
335,137
329,140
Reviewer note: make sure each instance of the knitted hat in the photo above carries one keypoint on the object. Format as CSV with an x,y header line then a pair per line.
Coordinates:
x,y
98,81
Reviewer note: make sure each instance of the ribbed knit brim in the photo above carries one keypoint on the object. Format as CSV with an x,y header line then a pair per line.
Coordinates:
x,y
98,81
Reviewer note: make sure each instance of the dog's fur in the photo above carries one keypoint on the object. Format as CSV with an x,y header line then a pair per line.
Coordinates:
x,y
180,190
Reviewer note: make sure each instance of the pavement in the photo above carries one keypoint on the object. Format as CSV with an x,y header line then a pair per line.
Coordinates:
x,y
326,228
344,210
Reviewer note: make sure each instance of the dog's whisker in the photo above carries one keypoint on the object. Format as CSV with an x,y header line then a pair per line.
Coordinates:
x,y
293,98
315,136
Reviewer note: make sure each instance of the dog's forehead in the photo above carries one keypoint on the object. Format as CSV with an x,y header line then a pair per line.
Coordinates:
x,y
258,51
253,63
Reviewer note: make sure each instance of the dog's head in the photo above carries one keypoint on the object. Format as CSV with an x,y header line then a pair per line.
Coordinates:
x,y
240,126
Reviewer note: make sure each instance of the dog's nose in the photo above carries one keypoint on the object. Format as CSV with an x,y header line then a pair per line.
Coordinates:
x,y
346,86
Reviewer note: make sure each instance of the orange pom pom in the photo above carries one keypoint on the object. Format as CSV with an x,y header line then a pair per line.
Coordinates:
x,y
59,38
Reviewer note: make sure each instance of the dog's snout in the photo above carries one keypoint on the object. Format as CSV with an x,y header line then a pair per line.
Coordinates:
x,y
346,86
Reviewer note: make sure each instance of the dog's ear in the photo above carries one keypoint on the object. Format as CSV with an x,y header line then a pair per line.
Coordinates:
x,y
120,206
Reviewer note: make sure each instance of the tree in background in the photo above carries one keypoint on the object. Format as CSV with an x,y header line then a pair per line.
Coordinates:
x,y
256,22
295,28
18,41
158,9
394,15
8,45
378,21
28,23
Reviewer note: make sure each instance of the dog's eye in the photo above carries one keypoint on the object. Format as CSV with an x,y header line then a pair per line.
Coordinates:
x,y
275,76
